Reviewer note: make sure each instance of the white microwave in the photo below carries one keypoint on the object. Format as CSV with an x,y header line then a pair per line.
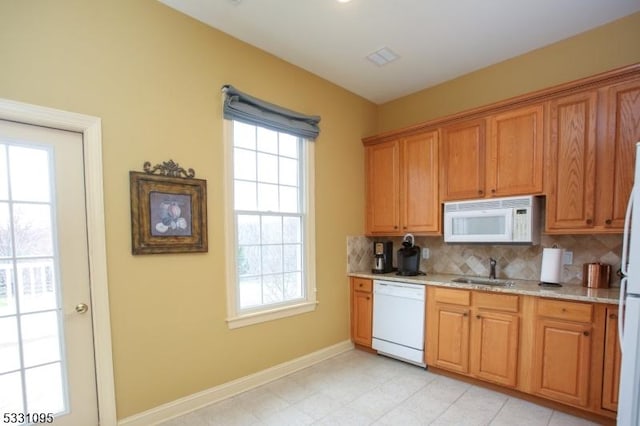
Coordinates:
x,y
514,220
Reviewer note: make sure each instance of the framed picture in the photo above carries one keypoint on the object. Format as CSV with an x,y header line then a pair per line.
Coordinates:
x,y
168,213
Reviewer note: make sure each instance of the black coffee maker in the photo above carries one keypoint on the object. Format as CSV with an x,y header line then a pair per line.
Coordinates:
x,y
409,257
383,257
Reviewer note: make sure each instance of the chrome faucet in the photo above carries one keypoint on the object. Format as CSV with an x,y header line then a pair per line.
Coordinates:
x,y
492,268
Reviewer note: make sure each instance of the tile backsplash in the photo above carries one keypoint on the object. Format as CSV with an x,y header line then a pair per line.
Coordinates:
x,y
514,261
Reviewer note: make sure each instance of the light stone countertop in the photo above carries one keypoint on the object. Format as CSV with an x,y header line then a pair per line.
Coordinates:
x,y
525,287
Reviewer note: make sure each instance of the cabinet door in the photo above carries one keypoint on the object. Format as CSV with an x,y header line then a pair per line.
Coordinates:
x,y
383,188
361,317
463,161
514,152
452,341
623,131
612,359
562,361
494,347
572,163
419,203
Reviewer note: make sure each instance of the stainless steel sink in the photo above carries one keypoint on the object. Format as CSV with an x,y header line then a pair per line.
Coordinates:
x,y
484,281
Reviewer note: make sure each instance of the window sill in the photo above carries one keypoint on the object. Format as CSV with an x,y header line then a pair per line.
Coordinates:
x,y
270,315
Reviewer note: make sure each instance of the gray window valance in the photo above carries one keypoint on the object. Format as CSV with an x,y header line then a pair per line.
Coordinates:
x,y
242,107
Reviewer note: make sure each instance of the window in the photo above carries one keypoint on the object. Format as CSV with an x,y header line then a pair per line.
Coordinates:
x,y
271,224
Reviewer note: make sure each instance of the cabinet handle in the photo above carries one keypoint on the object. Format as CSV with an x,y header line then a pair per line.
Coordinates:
x,y
586,333
404,227
478,316
589,221
361,285
480,191
395,227
613,316
464,314
493,191
564,309
368,298
608,222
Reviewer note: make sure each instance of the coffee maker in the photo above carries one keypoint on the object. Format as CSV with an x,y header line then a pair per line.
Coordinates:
x,y
383,257
409,257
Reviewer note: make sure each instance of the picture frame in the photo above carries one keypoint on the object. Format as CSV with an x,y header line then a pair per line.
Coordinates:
x,y
168,212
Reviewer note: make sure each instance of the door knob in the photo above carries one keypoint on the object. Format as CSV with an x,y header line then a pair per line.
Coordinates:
x,y
81,308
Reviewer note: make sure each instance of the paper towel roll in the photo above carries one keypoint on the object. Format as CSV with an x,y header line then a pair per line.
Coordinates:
x,y
551,270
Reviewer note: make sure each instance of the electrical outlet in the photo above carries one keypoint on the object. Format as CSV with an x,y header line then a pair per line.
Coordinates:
x,y
568,258
425,253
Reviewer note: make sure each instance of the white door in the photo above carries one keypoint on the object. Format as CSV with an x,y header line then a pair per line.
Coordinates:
x,y
47,367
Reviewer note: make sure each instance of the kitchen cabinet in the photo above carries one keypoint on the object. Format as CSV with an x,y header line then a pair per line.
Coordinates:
x,y
473,333
572,163
495,328
514,152
618,165
497,156
612,360
361,311
591,159
447,341
562,352
402,186
463,160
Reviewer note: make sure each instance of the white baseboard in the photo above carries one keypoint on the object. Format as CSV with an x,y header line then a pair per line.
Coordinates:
x,y
201,399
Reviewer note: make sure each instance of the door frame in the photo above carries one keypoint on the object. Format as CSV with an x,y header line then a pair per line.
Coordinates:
x,y
91,129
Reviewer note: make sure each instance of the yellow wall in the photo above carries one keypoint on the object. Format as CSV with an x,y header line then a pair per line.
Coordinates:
x,y
610,46
154,76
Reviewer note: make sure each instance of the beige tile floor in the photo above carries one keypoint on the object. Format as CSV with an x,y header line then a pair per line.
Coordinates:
x,y
358,388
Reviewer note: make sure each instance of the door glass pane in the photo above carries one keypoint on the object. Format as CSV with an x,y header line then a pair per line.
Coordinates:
x,y
37,285
44,386
30,331
32,229
4,182
5,231
29,174
40,338
9,350
11,393
7,288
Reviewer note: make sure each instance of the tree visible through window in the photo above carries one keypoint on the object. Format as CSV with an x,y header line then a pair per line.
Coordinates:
x,y
268,193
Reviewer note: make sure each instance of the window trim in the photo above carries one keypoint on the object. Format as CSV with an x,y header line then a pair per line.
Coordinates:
x,y
235,318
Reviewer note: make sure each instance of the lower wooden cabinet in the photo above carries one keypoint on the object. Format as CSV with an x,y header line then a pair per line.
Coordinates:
x,y
473,333
562,361
361,311
565,351
612,361
494,347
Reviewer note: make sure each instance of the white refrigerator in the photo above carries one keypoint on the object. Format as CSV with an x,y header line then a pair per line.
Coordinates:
x,y
629,327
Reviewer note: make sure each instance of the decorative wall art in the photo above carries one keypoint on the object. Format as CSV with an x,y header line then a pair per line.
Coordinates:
x,y
168,210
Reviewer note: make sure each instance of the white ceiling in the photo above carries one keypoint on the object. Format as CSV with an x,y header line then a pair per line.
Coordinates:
x,y
436,40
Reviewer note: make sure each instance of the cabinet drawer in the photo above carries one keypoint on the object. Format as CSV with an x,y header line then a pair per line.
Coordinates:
x,y
498,302
571,311
362,284
454,297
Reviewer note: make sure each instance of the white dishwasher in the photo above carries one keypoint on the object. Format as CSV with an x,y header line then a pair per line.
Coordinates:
x,y
398,320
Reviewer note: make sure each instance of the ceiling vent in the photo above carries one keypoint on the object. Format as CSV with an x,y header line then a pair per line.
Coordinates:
x,y
383,56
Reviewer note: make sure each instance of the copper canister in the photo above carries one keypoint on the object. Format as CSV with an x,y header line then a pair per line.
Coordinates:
x,y
596,275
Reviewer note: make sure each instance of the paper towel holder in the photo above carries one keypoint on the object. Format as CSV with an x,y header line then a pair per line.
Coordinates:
x,y
550,284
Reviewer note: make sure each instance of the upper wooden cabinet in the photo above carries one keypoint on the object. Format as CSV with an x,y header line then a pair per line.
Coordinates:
x,y
402,186
571,160
514,152
463,161
498,156
382,162
591,158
